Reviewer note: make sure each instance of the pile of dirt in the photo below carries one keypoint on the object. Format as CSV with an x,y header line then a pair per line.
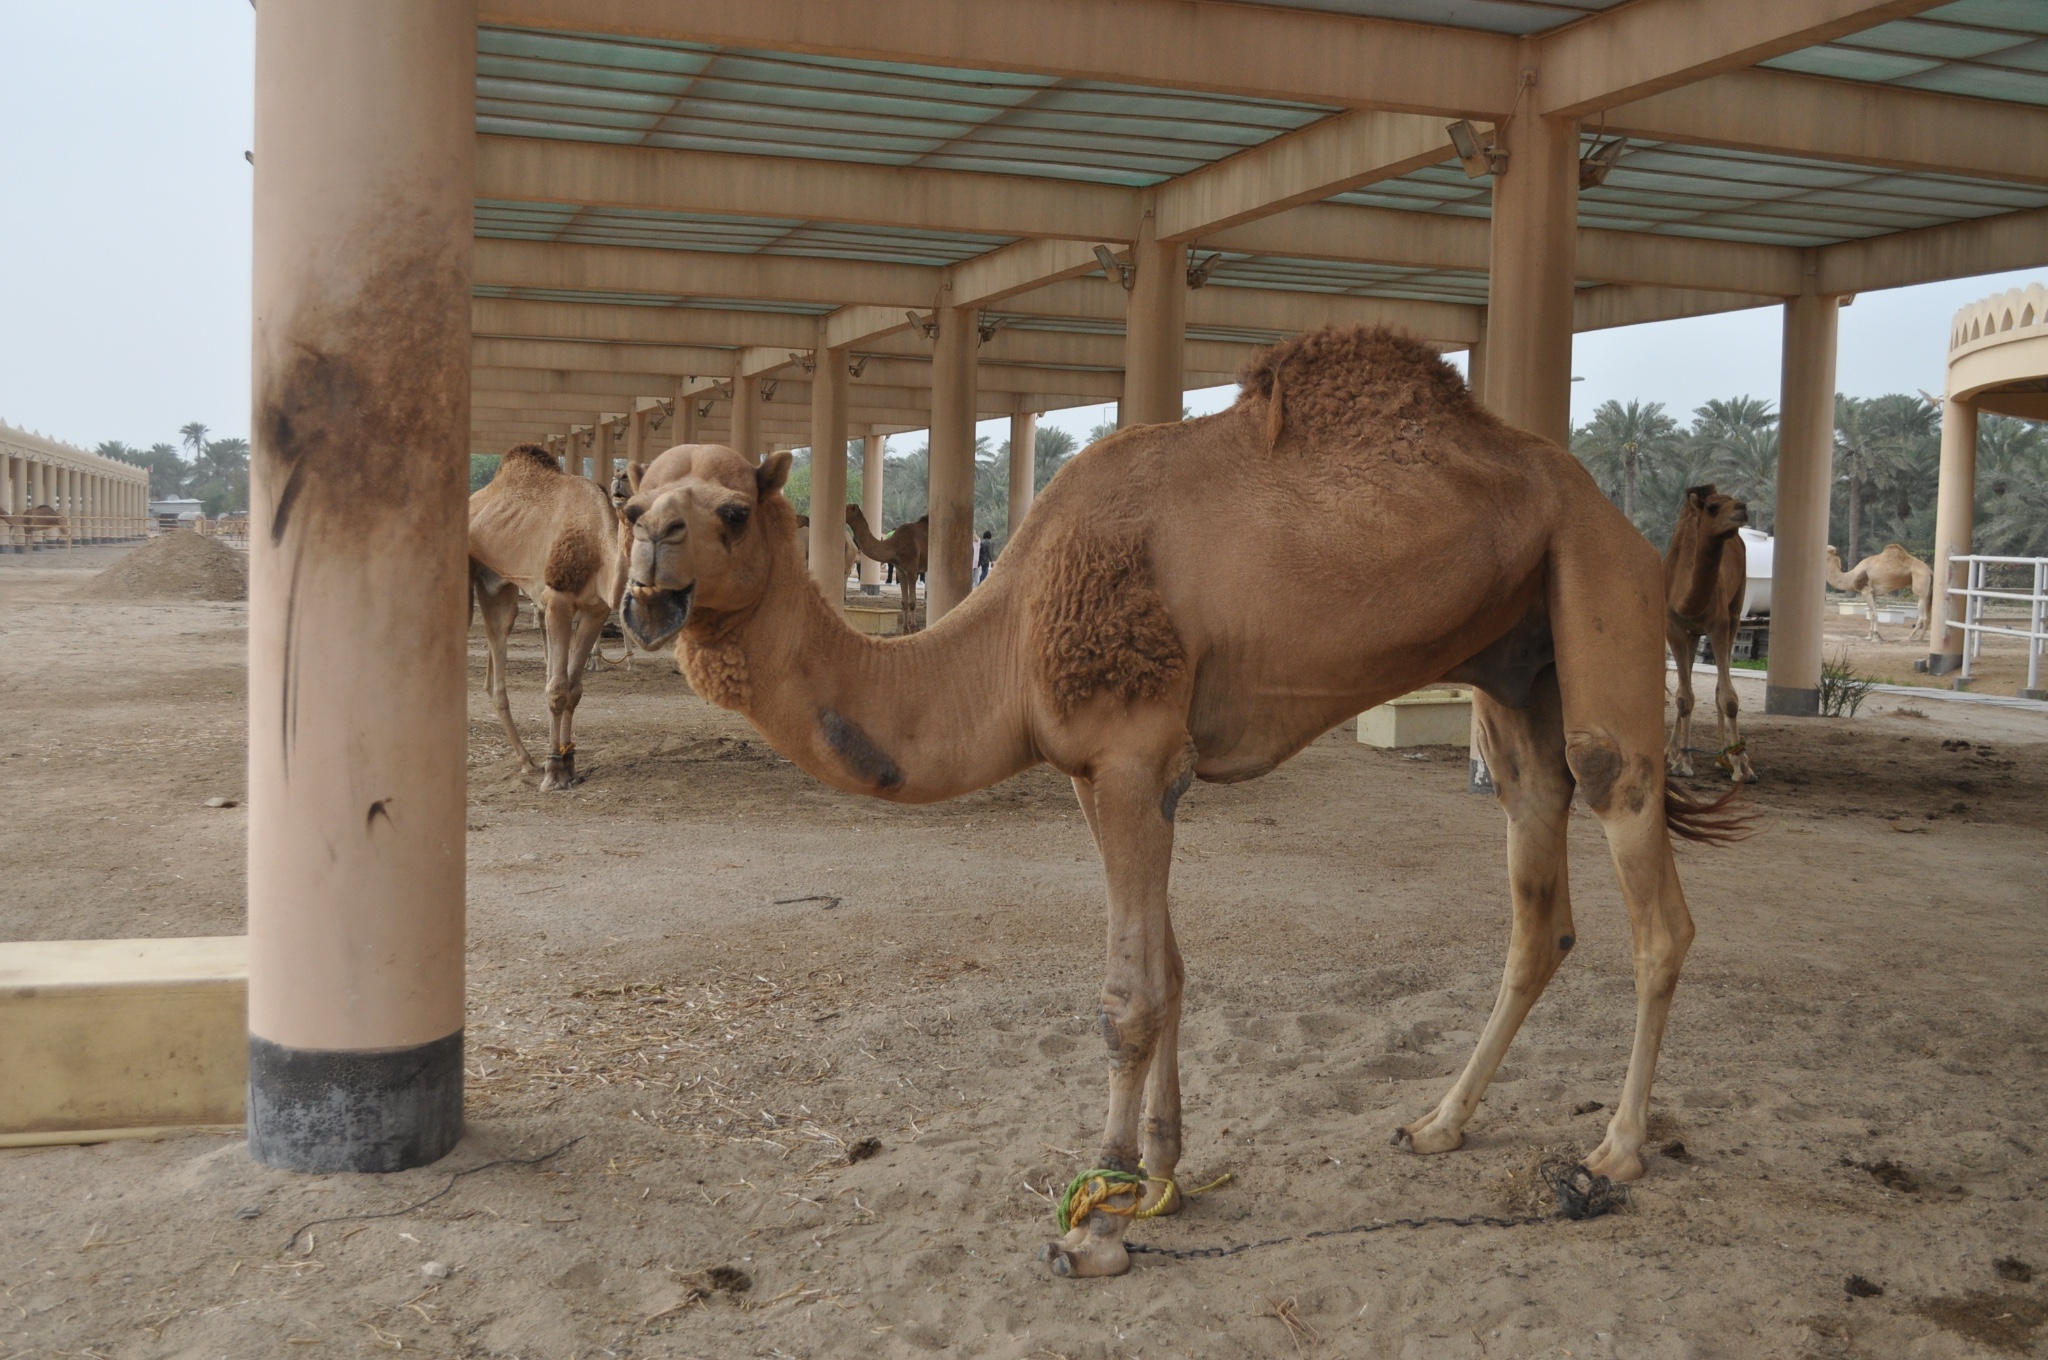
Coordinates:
x,y
175,566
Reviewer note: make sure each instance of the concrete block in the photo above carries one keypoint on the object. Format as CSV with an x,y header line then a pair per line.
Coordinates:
x,y
877,622
106,1039
1425,718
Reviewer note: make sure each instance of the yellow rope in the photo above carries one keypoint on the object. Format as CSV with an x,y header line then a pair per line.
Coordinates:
x,y
1173,1190
1092,1190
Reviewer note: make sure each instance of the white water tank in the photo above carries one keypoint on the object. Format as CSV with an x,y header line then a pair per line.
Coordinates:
x,y
1756,596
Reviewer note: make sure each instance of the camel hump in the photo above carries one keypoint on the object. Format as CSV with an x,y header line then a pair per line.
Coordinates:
x,y
527,458
1340,379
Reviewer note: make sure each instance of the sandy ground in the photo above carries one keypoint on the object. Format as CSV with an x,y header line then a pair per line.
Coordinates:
x,y
1865,992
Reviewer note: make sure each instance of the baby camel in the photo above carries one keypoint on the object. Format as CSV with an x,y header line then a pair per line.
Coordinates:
x,y
1114,643
1887,573
1706,570
907,548
558,538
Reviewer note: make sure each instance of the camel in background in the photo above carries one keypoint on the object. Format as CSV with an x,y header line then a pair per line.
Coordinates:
x,y
1887,573
1113,642
558,538
1706,569
907,549
803,522
38,519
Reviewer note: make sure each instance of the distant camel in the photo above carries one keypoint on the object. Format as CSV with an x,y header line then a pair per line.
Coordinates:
x,y
558,538
907,549
1887,573
39,519
1705,570
803,523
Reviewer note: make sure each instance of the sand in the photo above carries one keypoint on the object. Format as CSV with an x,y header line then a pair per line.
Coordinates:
x,y
1852,1084
174,566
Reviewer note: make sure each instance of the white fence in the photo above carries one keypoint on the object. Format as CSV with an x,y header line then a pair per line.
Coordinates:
x,y
1975,594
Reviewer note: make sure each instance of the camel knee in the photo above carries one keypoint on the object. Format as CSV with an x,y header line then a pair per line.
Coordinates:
x,y
1132,1023
564,695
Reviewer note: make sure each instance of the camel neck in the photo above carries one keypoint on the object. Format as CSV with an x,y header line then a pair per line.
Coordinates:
x,y
864,539
936,714
1704,555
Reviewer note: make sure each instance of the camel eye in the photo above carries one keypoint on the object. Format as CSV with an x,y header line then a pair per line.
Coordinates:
x,y
734,517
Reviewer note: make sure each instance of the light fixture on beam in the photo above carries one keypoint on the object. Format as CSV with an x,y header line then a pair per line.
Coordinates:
x,y
858,366
928,328
1479,160
1199,269
1594,165
987,327
1113,267
768,390
808,362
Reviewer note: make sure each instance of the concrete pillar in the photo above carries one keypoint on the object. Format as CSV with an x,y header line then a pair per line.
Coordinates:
x,y
1155,331
1806,459
950,493
1955,513
1529,298
828,475
603,452
1475,362
636,437
1023,466
874,459
746,417
365,143
682,422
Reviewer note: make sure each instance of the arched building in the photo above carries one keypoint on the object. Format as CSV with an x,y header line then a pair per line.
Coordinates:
x,y
101,500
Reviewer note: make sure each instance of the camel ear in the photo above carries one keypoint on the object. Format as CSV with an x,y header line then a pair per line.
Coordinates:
x,y
772,473
1698,494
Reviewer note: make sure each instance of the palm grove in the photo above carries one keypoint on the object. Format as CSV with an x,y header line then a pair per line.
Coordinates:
x,y
216,473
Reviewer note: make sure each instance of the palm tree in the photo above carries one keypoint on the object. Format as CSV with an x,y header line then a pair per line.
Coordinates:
x,y
1739,436
1620,443
2012,487
1874,444
1055,447
194,435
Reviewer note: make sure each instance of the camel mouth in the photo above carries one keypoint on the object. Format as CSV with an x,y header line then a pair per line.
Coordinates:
x,y
653,615
1740,514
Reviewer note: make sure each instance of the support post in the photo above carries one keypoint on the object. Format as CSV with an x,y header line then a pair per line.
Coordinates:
x,y
1806,458
1155,330
746,417
874,464
1023,468
828,475
1533,251
365,140
950,494
636,436
1955,513
682,422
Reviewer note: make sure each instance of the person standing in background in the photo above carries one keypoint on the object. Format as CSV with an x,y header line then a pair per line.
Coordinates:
x,y
984,556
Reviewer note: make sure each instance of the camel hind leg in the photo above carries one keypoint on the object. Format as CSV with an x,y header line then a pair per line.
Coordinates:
x,y
1525,753
571,631
1734,755
1606,608
498,600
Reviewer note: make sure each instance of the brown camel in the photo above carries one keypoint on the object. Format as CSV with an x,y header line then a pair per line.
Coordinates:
x,y
1114,643
1705,571
38,519
1887,573
907,548
803,522
558,538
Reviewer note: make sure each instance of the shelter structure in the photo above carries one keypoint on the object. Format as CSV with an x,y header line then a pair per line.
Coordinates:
x,y
1997,362
102,500
599,223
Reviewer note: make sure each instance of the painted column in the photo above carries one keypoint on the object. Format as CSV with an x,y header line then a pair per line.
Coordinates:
x,y
828,475
365,140
950,493
1533,249
603,452
636,436
11,489
1806,454
1155,330
1023,467
746,417
683,424
874,462
1475,362
1955,513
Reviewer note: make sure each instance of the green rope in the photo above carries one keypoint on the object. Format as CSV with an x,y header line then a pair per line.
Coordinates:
x,y
1092,1188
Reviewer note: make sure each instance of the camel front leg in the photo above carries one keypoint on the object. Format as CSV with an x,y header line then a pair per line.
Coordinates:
x,y
1727,709
1140,994
498,600
1678,751
1524,749
1870,607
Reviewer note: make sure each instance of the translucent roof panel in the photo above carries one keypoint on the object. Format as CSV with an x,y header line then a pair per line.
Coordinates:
x,y
1494,16
1674,190
1347,278
643,92
732,235
1988,49
597,297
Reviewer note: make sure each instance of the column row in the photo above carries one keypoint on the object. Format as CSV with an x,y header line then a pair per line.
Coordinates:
x,y
52,505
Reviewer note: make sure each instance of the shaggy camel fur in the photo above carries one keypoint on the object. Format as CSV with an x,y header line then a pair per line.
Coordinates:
x,y
907,548
1706,569
1887,573
1113,642
38,519
558,538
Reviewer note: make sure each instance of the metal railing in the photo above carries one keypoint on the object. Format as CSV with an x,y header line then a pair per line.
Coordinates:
x,y
1973,627
231,530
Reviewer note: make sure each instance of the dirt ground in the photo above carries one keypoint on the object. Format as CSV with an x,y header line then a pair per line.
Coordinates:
x,y
821,1058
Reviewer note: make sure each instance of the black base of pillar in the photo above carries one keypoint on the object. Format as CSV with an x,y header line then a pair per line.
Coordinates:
x,y
325,1110
1940,664
2034,694
1790,702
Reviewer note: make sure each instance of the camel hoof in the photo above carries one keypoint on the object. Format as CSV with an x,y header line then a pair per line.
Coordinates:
x,y
560,774
1615,1166
1070,1263
1424,1140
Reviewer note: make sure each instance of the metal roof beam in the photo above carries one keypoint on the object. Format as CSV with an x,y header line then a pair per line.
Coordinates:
x,y
599,356
1622,304
1955,250
1638,50
698,273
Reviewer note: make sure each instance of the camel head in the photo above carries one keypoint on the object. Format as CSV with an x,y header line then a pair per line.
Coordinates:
x,y
1719,515
706,525
1834,560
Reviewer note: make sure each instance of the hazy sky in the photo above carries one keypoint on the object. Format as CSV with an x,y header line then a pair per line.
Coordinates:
x,y
124,250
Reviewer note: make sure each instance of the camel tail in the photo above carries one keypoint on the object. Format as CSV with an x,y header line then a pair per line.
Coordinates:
x,y
1723,821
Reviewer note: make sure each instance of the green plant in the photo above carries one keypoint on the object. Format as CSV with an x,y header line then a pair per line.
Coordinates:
x,y
1842,690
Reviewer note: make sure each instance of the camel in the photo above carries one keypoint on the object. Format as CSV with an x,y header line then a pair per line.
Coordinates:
x,y
1706,570
907,549
38,519
1887,573
803,522
1114,643
535,528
